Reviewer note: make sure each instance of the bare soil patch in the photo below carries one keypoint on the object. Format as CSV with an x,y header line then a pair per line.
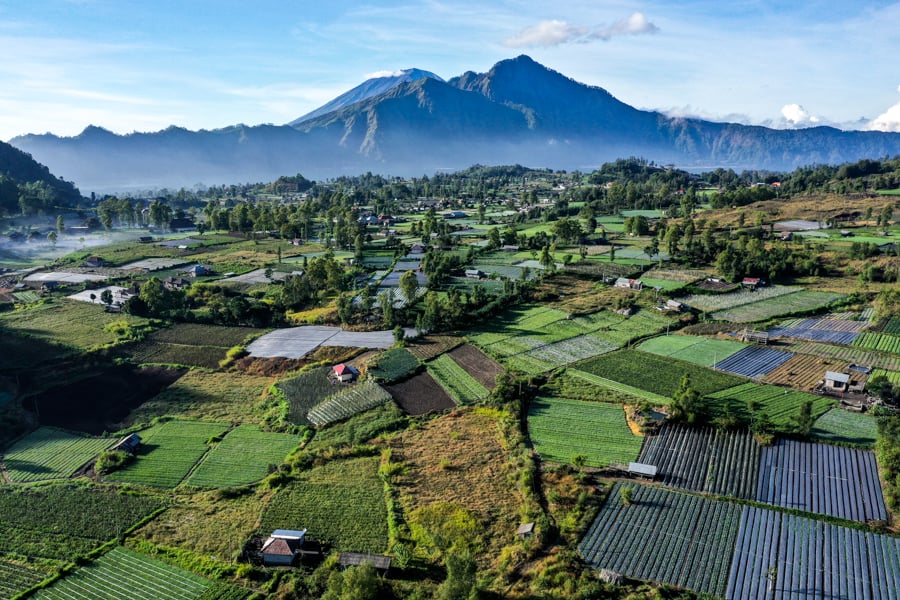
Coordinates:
x,y
476,363
433,345
420,395
99,402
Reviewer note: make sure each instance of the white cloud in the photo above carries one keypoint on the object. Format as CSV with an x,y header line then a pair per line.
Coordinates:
x,y
889,120
380,74
797,116
555,33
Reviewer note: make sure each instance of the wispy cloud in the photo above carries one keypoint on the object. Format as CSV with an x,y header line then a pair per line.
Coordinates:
x,y
554,33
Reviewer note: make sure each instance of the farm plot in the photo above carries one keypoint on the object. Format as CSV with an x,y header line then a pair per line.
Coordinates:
x,y
571,350
63,521
803,371
393,364
297,342
820,478
50,453
528,364
151,352
484,370
243,456
853,355
664,536
562,429
780,404
305,391
698,350
713,461
879,341
834,331
420,395
656,374
430,346
347,403
15,579
683,276
168,452
845,427
341,502
892,376
808,558
753,361
640,324
458,383
715,302
195,334
892,326
798,302
125,575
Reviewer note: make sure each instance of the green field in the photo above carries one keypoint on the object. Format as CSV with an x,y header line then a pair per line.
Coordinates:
x,y
621,388
341,502
243,456
659,375
562,429
125,575
798,302
348,402
65,520
878,341
845,427
698,350
196,334
780,404
168,452
50,453
892,376
305,391
15,579
393,365
461,386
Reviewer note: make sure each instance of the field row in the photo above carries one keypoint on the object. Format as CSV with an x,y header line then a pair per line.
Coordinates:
x,y
49,453
15,579
713,302
754,361
347,403
797,302
243,456
853,355
879,341
458,383
781,405
693,349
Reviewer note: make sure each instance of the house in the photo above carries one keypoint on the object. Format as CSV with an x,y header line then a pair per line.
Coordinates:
x,y
145,239
475,274
674,305
642,470
509,248
176,283
836,382
752,282
787,236
628,284
198,271
282,547
94,261
344,373
354,559
525,530
129,443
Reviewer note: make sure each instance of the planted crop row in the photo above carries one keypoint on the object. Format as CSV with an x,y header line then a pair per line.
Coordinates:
x,y
664,536
458,383
305,391
753,361
785,556
15,579
562,429
638,325
341,503
347,403
243,456
710,302
798,302
698,350
879,341
571,350
527,364
892,326
49,453
892,376
854,355
707,460
780,404
393,365
618,387
125,575
168,452
196,334
831,480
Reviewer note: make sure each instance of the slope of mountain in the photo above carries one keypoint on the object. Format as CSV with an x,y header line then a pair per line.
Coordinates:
x,y
414,123
18,168
367,89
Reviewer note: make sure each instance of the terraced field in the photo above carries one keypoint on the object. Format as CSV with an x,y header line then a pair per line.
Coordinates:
x,y
15,579
854,354
458,383
780,404
829,330
698,350
718,302
798,302
803,372
753,361
845,427
243,456
50,453
879,341
347,403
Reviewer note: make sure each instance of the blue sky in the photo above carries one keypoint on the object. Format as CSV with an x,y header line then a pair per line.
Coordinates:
x,y
142,66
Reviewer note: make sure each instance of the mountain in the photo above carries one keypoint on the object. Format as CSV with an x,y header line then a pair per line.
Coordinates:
x,y
367,89
414,123
18,168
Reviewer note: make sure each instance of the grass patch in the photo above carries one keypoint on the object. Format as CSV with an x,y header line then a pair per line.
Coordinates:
x,y
698,350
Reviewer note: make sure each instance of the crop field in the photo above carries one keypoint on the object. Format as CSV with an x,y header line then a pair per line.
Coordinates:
x,y
561,429
221,396
420,395
834,331
879,341
753,361
307,390
168,452
571,350
393,364
341,502
50,453
638,325
698,350
715,302
433,345
663,284
664,536
852,354
892,326
657,374
798,302
125,575
820,478
297,342
804,372
62,521
477,364
243,456
349,402
706,460
513,322
892,376
196,334
845,427
683,276
151,352
780,404
15,579
810,558
527,364
458,383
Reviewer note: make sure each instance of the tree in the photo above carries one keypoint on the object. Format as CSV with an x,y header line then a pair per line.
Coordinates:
x,y
547,261
52,237
356,583
106,297
60,225
804,420
686,406
408,285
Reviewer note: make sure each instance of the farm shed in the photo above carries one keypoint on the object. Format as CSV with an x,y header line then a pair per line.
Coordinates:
x,y
628,284
354,559
642,470
525,530
94,261
129,443
755,337
475,274
752,282
344,373
282,547
674,305
836,381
